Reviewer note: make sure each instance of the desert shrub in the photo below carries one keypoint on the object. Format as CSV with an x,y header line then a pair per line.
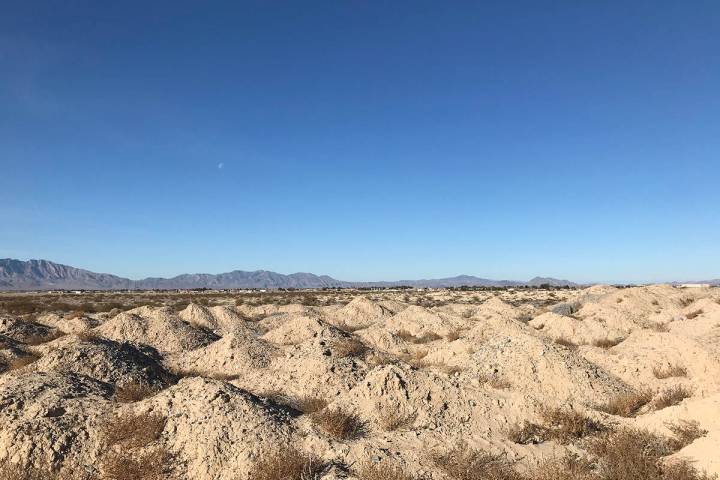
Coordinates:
x,y
40,339
686,302
566,425
414,358
87,336
426,338
193,372
463,463
607,342
694,314
286,463
672,396
657,327
670,372
134,392
527,433
152,464
351,328
685,432
12,471
340,424
381,471
627,404
561,425
568,467
630,454
133,430
305,404
391,419
9,364
452,336
350,347
566,342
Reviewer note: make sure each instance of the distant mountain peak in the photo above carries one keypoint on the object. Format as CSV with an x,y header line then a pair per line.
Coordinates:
x,y
48,275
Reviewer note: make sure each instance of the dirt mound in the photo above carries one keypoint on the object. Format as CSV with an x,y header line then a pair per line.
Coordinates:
x,y
545,370
327,363
69,323
234,354
27,331
215,429
467,368
579,332
644,356
159,328
107,361
13,354
396,401
360,313
51,419
419,322
296,329
219,319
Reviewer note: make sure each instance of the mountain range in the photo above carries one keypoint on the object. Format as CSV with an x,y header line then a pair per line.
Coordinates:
x,y
47,275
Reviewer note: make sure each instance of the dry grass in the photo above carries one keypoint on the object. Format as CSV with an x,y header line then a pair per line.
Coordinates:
x,y
566,342
627,405
685,432
351,328
286,463
40,339
527,433
350,347
191,372
694,314
672,396
11,364
630,454
306,404
657,327
391,419
415,358
463,463
566,425
134,392
132,430
568,467
381,471
87,336
671,371
562,425
340,424
426,338
494,381
11,471
452,336
686,302
607,342
153,464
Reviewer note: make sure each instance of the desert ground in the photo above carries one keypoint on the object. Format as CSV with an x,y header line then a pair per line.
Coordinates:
x,y
600,383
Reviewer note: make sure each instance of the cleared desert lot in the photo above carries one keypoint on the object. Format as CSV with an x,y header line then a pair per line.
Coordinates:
x,y
597,383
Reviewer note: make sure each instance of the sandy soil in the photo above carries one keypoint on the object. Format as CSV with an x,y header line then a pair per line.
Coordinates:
x,y
418,372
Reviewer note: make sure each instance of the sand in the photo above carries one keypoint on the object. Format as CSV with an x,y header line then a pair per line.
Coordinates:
x,y
420,370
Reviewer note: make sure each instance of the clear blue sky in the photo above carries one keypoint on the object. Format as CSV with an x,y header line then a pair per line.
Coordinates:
x,y
364,140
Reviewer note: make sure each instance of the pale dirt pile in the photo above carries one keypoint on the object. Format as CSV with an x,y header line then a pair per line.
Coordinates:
x,y
422,372
159,328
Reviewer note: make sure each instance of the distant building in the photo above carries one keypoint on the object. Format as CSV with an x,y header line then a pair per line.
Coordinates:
x,y
694,285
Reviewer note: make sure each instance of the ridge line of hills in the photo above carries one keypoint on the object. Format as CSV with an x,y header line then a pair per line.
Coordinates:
x,y
47,275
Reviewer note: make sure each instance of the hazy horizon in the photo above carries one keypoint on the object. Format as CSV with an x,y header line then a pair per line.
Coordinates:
x,y
367,142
